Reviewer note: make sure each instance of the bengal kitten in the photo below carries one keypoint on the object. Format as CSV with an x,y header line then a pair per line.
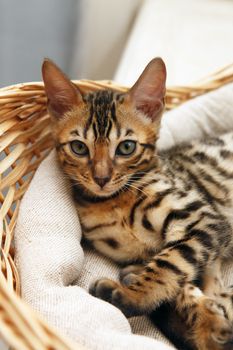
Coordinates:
x,y
171,211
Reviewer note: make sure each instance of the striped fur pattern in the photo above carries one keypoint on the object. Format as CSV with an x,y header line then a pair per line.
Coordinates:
x,y
166,216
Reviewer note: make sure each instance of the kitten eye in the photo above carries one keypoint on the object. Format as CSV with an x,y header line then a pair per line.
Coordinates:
x,y
79,148
125,148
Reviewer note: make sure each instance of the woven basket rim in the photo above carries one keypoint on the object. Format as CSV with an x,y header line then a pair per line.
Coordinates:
x,y
224,71
40,83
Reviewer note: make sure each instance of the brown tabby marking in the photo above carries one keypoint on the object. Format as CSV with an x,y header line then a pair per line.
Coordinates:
x,y
170,211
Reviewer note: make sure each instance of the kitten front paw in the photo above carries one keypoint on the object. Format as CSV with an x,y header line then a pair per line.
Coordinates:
x,y
103,289
134,269
128,301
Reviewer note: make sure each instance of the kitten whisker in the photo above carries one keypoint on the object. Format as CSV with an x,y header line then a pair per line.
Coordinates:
x,y
136,188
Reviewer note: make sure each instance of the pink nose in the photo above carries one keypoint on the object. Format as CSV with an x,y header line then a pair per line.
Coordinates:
x,y
101,181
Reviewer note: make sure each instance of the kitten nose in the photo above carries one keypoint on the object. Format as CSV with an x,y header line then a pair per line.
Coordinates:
x,y
101,181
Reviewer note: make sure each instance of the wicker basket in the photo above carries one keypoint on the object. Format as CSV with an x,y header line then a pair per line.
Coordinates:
x,y
24,142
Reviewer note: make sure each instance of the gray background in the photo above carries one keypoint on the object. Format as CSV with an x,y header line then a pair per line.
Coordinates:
x,y
31,30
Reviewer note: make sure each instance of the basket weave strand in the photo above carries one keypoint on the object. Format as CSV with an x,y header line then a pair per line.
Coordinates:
x,y
25,140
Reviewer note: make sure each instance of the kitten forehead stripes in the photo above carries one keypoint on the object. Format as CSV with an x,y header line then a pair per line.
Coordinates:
x,y
103,113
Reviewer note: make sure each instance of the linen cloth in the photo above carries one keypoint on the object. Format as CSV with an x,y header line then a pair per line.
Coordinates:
x,y
55,272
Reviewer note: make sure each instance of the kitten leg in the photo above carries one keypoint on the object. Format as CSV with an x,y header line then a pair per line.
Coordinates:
x,y
208,314
163,276
196,321
159,280
206,319
212,279
213,286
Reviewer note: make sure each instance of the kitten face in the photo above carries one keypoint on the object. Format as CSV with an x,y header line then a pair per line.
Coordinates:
x,y
102,146
105,139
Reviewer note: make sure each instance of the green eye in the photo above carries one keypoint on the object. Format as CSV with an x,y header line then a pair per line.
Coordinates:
x,y
125,148
79,148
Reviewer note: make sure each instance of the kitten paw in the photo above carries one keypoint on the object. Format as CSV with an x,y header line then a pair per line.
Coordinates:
x,y
129,301
103,289
213,330
134,268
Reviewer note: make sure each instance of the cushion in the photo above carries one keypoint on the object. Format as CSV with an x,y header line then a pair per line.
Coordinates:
x,y
193,37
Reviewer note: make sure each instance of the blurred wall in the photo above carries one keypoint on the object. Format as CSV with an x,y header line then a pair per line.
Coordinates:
x,y
84,37
31,30
102,33
194,37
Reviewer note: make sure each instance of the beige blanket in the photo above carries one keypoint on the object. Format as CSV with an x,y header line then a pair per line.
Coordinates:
x,y
55,272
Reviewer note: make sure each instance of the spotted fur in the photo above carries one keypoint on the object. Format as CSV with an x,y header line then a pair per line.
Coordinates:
x,y
167,215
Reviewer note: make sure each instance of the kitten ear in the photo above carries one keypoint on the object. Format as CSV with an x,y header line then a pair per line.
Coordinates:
x,y
61,92
148,93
